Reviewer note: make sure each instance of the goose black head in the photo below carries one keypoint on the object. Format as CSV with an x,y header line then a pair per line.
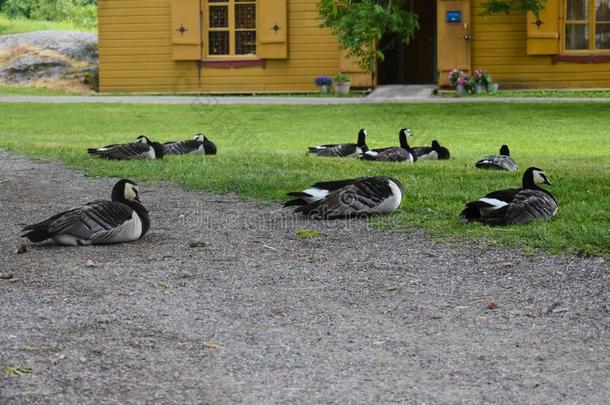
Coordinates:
x,y
534,176
143,139
442,152
125,190
504,150
159,150
403,136
209,146
199,137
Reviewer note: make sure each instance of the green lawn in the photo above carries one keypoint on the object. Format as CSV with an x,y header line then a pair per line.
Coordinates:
x,y
19,25
262,154
17,90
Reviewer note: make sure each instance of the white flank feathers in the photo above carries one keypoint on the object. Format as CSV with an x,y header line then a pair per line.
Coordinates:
x,y
392,202
492,201
315,194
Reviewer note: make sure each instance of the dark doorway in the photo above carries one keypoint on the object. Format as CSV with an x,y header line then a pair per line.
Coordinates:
x,y
414,63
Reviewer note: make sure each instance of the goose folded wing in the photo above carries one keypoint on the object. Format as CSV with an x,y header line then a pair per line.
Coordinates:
x,y
358,198
341,150
422,150
182,146
333,185
390,155
126,151
529,205
96,217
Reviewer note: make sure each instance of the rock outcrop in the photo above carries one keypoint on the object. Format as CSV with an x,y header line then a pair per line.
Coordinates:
x,y
67,58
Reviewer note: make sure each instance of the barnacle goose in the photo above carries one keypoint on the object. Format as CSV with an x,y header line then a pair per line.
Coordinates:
x,y
515,205
342,149
199,145
349,198
403,153
124,219
436,151
142,148
501,162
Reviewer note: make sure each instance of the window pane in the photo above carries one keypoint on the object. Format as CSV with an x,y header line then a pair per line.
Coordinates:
x,y
245,42
577,36
602,10
218,43
578,10
602,36
219,17
245,16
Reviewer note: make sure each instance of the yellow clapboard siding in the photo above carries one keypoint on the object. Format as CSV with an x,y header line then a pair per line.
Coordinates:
x,y
129,28
137,19
134,4
499,46
136,46
148,11
158,35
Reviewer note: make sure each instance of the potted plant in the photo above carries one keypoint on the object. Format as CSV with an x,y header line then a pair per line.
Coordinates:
x,y
480,81
492,87
459,80
323,82
342,84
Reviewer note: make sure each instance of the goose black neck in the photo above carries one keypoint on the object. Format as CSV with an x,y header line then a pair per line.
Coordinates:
x,y
504,150
404,142
158,148
361,139
142,213
528,180
209,146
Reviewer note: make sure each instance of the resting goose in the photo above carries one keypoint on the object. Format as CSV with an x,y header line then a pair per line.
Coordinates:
x,y
515,205
342,149
403,153
200,145
501,162
143,148
436,151
362,196
124,219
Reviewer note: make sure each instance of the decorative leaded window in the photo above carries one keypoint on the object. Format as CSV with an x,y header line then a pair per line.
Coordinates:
x,y
230,27
587,25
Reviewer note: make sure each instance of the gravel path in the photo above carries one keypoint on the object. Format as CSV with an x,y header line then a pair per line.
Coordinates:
x,y
258,316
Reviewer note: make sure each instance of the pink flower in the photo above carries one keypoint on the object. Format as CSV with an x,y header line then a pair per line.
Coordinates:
x,y
461,81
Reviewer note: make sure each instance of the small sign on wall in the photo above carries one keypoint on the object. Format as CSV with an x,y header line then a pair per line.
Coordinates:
x,y
454,16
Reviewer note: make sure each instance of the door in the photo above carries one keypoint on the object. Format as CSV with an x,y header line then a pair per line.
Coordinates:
x,y
454,38
414,63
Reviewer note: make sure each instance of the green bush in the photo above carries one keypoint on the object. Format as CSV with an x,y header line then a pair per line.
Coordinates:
x,y
81,13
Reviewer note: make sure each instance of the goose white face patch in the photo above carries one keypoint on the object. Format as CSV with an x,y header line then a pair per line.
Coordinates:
x,y
130,192
371,153
199,138
539,177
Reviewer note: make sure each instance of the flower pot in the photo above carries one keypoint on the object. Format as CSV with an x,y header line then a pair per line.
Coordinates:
x,y
478,88
323,89
492,87
460,90
342,88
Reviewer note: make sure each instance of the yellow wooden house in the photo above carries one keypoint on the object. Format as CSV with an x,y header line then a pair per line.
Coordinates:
x,y
255,46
